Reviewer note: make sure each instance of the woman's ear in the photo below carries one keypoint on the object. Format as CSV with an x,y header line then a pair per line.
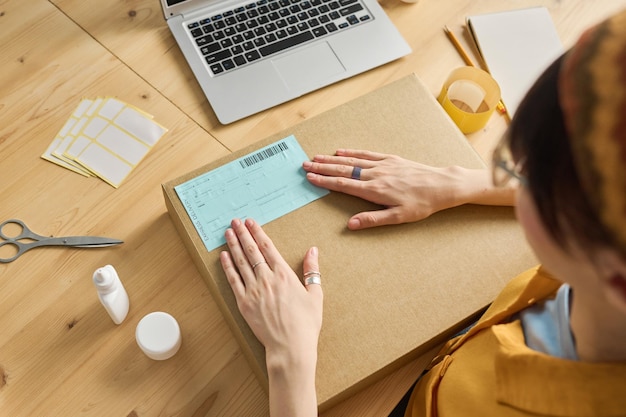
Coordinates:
x,y
613,278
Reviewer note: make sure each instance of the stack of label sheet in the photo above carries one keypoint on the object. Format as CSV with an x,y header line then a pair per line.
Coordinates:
x,y
105,138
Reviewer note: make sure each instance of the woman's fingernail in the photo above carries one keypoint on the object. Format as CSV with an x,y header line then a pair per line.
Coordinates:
x,y
354,223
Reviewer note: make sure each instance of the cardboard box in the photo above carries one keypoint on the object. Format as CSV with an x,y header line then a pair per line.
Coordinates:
x,y
391,293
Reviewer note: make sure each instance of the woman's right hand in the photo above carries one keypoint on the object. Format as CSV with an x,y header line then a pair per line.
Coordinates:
x,y
409,191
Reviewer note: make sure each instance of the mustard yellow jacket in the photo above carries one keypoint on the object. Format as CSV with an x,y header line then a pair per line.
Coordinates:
x,y
490,371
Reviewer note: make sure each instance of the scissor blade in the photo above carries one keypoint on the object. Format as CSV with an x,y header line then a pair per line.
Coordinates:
x,y
84,241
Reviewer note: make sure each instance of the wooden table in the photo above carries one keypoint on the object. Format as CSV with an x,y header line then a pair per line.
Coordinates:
x,y
60,354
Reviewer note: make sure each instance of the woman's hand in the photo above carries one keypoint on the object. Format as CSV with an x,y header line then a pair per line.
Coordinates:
x,y
284,314
408,190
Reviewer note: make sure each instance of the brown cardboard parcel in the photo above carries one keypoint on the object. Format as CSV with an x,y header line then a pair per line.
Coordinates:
x,y
390,293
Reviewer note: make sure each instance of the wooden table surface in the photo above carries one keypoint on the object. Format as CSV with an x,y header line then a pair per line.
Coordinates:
x,y
60,354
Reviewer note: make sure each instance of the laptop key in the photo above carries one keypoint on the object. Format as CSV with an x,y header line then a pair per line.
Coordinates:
x,y
319,31
216,68
353,20
350,9
211,48
286,43
219,56
331,27
239,60
228,64
252,56
204,40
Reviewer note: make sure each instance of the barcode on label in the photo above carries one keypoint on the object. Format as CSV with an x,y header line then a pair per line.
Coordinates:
x,y
260,156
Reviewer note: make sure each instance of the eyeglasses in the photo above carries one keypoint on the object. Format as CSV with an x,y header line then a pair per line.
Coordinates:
x,y
504,166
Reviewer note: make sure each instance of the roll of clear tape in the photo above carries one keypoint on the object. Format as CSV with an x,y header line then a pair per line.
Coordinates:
x,y
469,96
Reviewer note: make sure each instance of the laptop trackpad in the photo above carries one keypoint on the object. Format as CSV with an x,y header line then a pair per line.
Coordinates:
x,y
310,68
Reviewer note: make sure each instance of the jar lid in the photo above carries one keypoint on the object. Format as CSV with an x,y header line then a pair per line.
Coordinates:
x,y
158,335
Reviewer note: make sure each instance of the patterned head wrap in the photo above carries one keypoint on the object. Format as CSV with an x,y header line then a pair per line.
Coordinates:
x,y
592,94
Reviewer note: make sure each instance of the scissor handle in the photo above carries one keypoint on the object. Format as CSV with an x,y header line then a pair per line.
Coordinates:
x,y
21,248
25,233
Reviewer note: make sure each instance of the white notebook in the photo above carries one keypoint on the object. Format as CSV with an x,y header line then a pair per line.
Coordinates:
x,y
516,46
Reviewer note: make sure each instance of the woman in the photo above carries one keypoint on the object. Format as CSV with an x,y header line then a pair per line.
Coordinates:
x,y
553,342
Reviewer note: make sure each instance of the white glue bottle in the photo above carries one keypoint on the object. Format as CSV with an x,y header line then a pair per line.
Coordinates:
x,y
111,292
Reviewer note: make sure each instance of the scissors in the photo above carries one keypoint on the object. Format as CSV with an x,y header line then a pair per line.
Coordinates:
x,y
33,240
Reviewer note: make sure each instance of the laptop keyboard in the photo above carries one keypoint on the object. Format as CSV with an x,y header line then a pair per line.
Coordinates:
x,y
260,29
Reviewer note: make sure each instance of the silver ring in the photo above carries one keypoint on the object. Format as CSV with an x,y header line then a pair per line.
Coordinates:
x,y
258,263
313,279
356,173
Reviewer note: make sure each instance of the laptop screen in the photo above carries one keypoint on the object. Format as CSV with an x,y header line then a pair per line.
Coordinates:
x,y
173,2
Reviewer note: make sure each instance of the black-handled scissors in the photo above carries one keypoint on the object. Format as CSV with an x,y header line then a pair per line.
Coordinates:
x,y
26,240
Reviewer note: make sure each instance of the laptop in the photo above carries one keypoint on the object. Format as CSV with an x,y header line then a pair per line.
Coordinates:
x,y
250,55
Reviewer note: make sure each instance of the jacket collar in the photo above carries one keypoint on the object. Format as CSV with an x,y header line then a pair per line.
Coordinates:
x,y
525,378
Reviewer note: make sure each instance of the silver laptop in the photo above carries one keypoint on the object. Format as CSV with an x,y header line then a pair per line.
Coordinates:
x,y
250,55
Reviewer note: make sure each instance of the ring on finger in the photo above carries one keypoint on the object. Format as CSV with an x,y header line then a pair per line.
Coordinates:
x,y
312,277
356,173
258,263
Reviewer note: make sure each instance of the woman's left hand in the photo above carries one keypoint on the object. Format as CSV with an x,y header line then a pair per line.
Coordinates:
x,y
284,314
